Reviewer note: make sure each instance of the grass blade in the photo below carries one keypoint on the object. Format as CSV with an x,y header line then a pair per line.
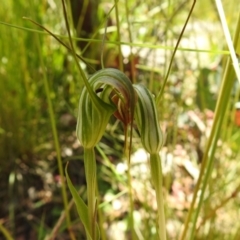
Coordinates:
x,y
81,206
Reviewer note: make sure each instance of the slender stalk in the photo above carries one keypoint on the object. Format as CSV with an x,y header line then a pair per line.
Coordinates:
x,y
173,55
130,40
84,78
5,232
55,137
103,44
55,36
101,218
93,37
82,15
156,173
152,46
90,171
228,38
213,212
131,216
227,83
58,225
237,234
209,154
118,36
127,150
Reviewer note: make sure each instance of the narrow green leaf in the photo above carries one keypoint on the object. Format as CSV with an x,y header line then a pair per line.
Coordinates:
x,y
81,206
5,232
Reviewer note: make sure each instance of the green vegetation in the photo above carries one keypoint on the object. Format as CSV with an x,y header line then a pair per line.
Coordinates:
x,y
78,83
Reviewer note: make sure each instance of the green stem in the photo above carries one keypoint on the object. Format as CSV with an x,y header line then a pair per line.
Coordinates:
x,y
220,112
56,36
131,216
90,171
156,173
118,36
213,212
101,219
130,40
5,232
127,150
212,143
55,137
84,78
174,53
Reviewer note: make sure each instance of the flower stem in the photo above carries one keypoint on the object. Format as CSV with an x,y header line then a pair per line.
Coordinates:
x,y
90,170
127,150
156,173
208,158
56,140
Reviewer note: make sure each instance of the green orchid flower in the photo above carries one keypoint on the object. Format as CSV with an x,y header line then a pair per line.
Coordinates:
x,y
152,140
95,110
147,120
107,92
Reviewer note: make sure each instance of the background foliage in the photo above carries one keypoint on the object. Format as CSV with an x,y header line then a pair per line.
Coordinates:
x,y
31,202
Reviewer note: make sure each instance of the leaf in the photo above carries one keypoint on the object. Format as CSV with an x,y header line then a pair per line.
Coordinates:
x,y
81,206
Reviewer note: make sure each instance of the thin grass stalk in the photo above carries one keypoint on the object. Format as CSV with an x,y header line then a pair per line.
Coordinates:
x,y
103,44
152,72
147,208
11,206
54,36
70,21
228,38
130,40
207,162
92,39
5,232
131,215
147,45
120,59
127,151
218,119
108,164
156,174
58,225
55,137
227,131
213,212
101,218
92,94
84,78
230,130
237,234
41,227
90,172
210,150
174,53
82,15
